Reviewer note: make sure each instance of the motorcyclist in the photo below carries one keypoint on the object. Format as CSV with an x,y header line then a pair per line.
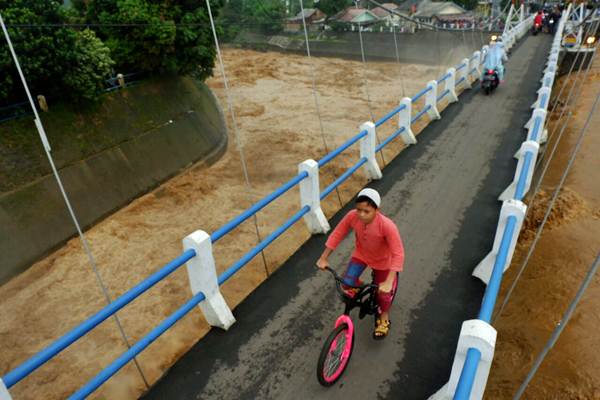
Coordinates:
x,y
538,20
495,57
555,17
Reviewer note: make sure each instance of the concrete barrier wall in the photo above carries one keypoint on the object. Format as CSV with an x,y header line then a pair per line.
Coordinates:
x,y
34,219
423,47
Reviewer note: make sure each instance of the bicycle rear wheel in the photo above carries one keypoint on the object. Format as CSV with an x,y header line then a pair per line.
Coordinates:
x,y
335,355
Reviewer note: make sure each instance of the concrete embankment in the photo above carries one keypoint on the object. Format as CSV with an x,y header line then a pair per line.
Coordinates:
x,y
423,47
33,217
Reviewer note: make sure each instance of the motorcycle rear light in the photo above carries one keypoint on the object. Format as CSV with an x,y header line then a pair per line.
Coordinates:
x,y
490,71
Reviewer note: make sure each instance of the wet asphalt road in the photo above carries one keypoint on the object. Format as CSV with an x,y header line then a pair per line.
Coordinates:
x,y
442,193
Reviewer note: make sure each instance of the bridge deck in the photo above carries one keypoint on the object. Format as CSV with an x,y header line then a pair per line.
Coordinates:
x,y
442,193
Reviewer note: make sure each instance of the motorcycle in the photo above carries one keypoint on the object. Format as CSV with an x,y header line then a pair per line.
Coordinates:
x,y
490,81
536,29
551,26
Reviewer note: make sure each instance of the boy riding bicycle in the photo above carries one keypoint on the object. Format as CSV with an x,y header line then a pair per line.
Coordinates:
x,y
378,246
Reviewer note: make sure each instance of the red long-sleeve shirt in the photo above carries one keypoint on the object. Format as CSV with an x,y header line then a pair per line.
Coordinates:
x,y
378,244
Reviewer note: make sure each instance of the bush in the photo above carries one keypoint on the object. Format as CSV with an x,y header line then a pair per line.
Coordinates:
x,y
56,60
91,64
168,36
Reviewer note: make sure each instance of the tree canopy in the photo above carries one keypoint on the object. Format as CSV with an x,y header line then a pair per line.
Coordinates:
x,y
69,52
55,59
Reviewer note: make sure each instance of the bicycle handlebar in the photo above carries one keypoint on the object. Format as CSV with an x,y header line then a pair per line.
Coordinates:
x,y
340,281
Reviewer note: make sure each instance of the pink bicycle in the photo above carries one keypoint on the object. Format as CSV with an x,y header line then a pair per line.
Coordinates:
x,y
337,349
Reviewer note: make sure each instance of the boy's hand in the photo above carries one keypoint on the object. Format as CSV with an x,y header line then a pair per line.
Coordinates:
x,y
386,286
322,263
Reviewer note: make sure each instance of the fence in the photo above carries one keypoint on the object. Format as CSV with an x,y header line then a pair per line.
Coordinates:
x,y
198,255
476,343
119,81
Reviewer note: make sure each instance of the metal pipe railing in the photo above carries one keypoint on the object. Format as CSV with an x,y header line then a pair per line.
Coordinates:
x,y
234,223
49,352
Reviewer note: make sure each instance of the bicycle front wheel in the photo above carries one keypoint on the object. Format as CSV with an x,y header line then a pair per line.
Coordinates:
x,y
335,355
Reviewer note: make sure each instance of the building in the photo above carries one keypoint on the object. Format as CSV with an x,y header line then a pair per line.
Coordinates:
x,y
443,13
356,16
315,20
390,19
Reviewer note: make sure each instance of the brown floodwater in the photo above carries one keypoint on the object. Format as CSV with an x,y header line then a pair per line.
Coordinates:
x,y
278,128
568,246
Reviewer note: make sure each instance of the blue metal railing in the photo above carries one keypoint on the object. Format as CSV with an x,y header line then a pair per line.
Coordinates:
x,y
136,349
544,100
26,368
389,139
520,191
536,128
261,246
43,356
461,66
342,178
443,78
234,223
420,114
387,117
467,376
421,94
323,161
444,94
469,371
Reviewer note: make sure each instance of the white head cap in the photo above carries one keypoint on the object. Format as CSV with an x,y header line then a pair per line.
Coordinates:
x,y
371,194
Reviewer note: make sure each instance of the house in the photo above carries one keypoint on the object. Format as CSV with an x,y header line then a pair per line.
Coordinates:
x,y
356,16
392,18
384,14
315,20
434,13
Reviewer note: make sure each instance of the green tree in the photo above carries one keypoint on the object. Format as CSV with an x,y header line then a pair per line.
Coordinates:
x,y
332,7
167,36
266,16
90,65
56,60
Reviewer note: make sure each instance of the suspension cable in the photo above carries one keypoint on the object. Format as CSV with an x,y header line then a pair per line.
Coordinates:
x,y
560,327
548,210
366,84
315,95
235,126
84,242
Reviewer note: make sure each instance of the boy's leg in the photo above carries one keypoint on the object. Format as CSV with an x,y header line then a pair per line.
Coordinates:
x,y
353,271
384,299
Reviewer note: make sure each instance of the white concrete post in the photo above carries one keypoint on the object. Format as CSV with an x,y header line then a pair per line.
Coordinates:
x,y
310,195
510,207
450,85
551,68
543,91
367,150
404,121
528,146
4,394
541,114
547,80
431,100
464,73
202,273
475,334
475,64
